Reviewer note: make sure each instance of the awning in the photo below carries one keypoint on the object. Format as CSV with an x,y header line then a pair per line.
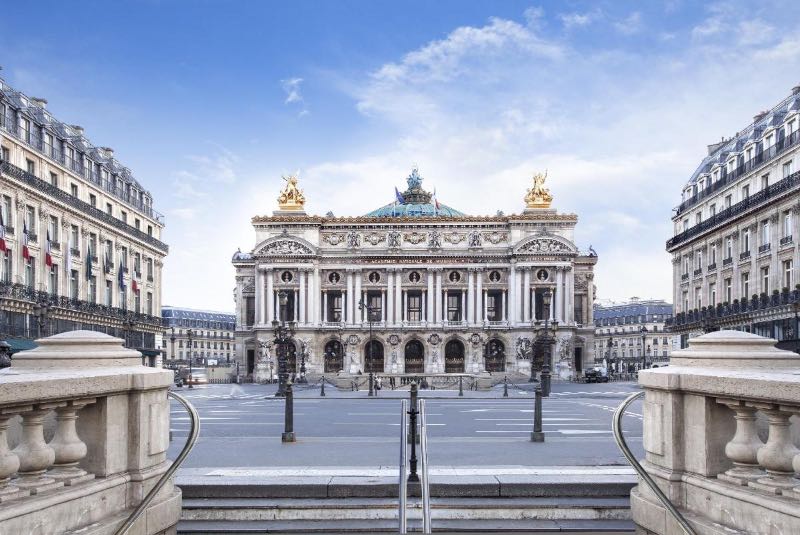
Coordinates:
x,y
20,344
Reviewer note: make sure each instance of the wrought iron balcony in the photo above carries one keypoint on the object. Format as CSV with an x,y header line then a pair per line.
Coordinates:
x,y
685,277
731,312
727,178
55,245
727,261
786,240
149,278
744,255
26,293
9,229
75,252
698,272
33,238
712,267
86,208
763,248
758,199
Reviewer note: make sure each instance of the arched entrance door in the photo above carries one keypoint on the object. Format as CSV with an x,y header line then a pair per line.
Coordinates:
x,y
415,357
454,357
373,357
495,356
334,357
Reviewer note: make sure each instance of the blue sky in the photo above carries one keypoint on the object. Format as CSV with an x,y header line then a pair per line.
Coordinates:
x,y
211,102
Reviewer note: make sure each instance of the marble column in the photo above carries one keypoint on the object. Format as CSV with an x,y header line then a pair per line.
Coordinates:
x,y
313,297
356,296
569,298
430,298
404,312
303,310
512,293
270,297
390,297
439,307
398,292
503,305
296,311
479,315
383,306
526,295
261,306
349,298
469,306
464,308
444,306
485,306
324,306
424,306
558,295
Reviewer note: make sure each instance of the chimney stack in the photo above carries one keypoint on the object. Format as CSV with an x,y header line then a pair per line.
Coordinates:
x,y
78,129
795,89
760,115
107,151
42,103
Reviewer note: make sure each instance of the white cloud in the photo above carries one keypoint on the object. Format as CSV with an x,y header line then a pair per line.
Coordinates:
x,y
572,20
629,25
292,88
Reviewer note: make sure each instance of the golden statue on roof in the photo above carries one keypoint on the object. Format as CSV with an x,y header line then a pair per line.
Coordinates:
x,y
291,197
538,196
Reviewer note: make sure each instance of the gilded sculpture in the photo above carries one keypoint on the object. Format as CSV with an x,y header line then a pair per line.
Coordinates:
x,y
538,196
291,197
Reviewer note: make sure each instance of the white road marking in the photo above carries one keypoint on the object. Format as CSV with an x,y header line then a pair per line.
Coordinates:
x,y
583,431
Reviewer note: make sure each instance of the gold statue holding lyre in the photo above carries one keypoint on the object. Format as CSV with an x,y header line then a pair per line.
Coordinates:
x,y
291,198
538,196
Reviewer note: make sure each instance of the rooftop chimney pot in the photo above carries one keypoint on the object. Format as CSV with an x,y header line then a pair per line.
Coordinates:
x,y
42,103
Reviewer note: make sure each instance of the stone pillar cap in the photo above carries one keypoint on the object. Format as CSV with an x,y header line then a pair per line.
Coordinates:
x,y
726,349
77,349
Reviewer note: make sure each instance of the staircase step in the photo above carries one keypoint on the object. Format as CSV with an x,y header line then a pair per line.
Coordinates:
x,y
609,527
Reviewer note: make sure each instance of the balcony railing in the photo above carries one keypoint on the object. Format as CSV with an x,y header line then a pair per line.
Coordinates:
x,y
744,255
33,238
727,261
74,251
712,267
757,199
724,311
763,248
698,272
66,198
786,240
728,178
685,277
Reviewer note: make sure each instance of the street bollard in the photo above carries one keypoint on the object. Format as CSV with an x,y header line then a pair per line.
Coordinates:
x,y
460,386
288,420
322,388
505,387
413,438
537,435
371,385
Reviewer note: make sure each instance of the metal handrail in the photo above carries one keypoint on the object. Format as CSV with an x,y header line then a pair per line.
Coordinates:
x,y
402,492
193,433
425,488
626,451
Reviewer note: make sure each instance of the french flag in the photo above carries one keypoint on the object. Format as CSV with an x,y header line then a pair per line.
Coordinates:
x,y
134,286
48,254
2,233
26,254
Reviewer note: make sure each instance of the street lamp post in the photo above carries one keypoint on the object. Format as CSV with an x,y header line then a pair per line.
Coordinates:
x,y
283,336
302,379
189,353
643,331
370,309
546,334
41,311
172,341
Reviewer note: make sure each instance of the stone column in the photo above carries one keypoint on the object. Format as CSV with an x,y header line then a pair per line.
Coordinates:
x,y
439,307
313,297
68,447
303,309
558,295
398,292
526,295
503,306
479,314
569,298
383,306
795,238
469,306
590,299
444,306
775,274
743,448
296,308
777,454
485,306
430,298
424,306
35,456
404,315
270,297
512,293
364,311
390,297
349,298
357,295
324,306
9,462
464,308
261,306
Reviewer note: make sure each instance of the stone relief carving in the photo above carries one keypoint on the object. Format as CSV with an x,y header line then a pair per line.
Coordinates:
x,y
393,239
374,238
414,237
353,240
434,339
544,245
435,240
475,239
284,248
495,237
454,237
333,239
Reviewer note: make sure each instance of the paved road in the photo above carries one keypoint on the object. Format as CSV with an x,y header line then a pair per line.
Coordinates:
x,y
241,427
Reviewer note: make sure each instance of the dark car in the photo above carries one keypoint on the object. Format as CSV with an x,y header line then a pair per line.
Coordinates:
x,y
597,374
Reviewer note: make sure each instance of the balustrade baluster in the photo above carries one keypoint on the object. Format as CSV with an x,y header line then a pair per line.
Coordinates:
x,y
35,456
68,447
9,462
743,448
777,454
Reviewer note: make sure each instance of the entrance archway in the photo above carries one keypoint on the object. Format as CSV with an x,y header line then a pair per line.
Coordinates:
x,y
454,357
415,357
495,356
334,357
373,357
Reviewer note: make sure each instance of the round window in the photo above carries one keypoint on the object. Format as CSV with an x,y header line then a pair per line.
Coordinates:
x,y
334,277
287,276
454,276
374,277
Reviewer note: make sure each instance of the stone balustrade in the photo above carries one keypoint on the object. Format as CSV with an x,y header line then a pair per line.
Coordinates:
x,y
721,429
84,430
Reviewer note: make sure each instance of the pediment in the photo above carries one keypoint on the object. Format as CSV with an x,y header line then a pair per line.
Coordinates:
x,y
549,245
284,246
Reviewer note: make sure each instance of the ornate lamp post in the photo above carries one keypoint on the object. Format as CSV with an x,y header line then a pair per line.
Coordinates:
x,y
283,337
302,379
545,334
189,334
370,310
41,311
643,332
172,342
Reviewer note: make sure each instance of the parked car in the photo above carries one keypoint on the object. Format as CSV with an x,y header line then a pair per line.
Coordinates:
x,y
597,374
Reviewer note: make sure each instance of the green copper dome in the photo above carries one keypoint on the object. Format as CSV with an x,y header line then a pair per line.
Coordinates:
x,y
415,202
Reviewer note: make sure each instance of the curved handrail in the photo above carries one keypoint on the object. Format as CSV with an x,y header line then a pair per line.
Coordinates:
x,y
402,490
626,451
425,488
195,431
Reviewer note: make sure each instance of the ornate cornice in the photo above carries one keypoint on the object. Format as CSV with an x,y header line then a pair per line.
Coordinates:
x,y
413,220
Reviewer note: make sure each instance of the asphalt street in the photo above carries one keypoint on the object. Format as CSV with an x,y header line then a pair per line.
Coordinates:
x,y
241,426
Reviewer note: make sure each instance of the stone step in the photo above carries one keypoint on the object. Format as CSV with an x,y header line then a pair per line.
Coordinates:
x,y
607,527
